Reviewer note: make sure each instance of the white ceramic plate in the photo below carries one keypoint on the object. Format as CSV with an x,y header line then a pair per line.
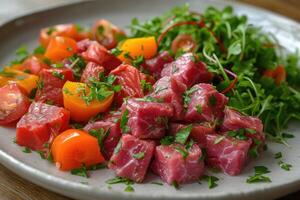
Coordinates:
x,y
24,30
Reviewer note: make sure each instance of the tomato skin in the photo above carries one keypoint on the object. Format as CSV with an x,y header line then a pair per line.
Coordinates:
x,y
60,48
183,42
65,30
80,111
73,147
13,103
106,33
278,74
34,64
130,79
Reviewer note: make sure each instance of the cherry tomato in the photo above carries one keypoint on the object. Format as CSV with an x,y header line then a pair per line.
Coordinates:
x,y
13,103
183,42
106,33
73,148
60,48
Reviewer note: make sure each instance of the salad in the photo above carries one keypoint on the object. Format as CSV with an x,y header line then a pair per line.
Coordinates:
x,y
183,92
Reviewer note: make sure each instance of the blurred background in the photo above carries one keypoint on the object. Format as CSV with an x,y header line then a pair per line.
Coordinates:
x,y
13,187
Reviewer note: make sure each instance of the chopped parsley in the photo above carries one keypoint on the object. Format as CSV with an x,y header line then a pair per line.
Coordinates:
x,y
40,50
259,176
238,134
219,139
167,140
211,181
82,171
176,185
40,84
100,134
278,155
77,64
27,150
118,147
58,75
100,30
285,166
146,86
139,155
157,183
116,51
129,188
212,100
21,55
183,134
123,123
51,30
198,109
182,151
121,180
137,61
187,96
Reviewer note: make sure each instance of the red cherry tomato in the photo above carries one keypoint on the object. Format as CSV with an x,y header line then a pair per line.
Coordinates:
x,y
13,103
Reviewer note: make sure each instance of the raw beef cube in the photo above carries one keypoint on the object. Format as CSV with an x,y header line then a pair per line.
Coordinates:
x,y
34,65
83,45
170,91
132,157
51,83
174,163
204,103
226,153
111,128
147,120
234,120
130,79
41,125
156,64
99,54
186,70
92,70
198,132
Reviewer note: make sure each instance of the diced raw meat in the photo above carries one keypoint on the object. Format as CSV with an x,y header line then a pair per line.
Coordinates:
x,y
92,70
51,83
130,79
156,64
99,54
132,157
41,125
83,45
226,153
234,120
169,163
147,120
112,127
205,104
198,132
186,70
170,91
13,103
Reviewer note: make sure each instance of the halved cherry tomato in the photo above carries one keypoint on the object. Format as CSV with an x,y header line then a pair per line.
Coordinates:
x,y
146,47
183,42
13,103
60,48
65,30
106,33
33,64
278,74
79,109
73,148
22,79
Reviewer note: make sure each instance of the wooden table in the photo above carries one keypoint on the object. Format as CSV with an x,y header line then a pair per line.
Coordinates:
x,y
12,187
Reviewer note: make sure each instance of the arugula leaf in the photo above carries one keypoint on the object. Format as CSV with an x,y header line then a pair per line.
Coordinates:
x,y
211,181
167,140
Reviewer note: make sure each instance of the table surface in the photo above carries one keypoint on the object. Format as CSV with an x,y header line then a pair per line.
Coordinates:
x,y
12,187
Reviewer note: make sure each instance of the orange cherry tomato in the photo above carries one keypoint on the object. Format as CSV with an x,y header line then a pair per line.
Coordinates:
x,y
73,148
60,48
278,74
22,79
79,109
65,30
183,42
146,47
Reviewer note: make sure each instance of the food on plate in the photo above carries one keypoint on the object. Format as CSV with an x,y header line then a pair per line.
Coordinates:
x,y
182,93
